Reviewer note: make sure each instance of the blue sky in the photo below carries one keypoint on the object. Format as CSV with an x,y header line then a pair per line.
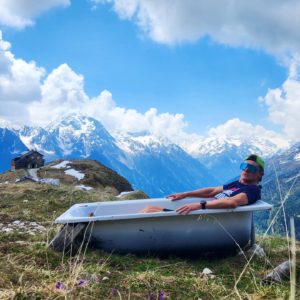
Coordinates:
x,y
207,75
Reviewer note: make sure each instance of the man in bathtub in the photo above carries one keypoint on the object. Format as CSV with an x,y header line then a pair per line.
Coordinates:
x,y
244,191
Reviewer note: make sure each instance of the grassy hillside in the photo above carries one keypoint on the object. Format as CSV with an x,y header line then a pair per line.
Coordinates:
x,y
282,189
30,270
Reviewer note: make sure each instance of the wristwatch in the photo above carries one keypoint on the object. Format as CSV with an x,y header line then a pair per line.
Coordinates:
x,y
203,204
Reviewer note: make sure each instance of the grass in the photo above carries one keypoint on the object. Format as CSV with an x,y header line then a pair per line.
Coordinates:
x,y
31,270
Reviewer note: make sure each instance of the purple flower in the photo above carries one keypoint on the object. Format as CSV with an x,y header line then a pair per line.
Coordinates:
x,y
152,296
59,285
161,295
114,291
81,282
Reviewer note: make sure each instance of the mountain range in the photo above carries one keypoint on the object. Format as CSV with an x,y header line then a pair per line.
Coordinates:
x,y
152,164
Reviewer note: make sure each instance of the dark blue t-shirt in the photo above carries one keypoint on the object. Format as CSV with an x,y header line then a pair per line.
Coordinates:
x,y
229,190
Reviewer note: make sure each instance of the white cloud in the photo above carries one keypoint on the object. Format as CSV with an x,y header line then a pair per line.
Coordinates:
x,y
236,132
19,84
284,105
117,118
19,14
235,129
26,99
27,95
271,25
63,94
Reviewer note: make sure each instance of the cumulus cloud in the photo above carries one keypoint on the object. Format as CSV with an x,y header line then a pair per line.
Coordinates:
x,y
243,131
63,94
284,104
28,96
20,83
117,118
236,132
19,14
270,25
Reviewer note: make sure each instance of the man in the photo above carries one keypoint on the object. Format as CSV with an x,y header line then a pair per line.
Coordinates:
x,y
241,192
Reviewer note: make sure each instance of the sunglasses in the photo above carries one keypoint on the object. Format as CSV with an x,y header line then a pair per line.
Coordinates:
x,y
250,168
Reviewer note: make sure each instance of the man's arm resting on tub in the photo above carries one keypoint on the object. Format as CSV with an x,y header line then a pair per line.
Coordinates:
x,y
208,192
230,202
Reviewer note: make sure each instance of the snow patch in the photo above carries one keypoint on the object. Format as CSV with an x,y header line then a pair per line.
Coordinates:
x,y
84,187
297,157
75,173
51,181
125,193
61,165
71,172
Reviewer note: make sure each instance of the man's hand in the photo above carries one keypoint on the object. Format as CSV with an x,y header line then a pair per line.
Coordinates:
x,y
175,197
185,209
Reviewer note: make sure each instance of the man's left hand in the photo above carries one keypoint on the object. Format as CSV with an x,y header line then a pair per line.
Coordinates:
x,y
185,209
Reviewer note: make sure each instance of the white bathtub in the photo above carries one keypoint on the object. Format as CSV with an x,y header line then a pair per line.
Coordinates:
x,y
118,226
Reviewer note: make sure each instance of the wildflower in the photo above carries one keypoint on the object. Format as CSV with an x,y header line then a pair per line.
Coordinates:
x,y
161,295
59,285
152,296
114,291
81,282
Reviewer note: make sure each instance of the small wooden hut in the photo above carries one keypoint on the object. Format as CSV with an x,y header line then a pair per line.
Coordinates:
x,y
29,160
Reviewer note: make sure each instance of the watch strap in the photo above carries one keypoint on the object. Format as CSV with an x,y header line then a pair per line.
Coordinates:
x,y
203,204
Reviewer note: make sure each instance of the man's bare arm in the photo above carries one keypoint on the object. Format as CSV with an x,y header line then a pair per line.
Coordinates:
x,y
208,192
232,202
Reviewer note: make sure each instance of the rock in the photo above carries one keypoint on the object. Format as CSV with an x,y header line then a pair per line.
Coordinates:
x,y
50,181
132,195
279,273
84,187
206,271
257,250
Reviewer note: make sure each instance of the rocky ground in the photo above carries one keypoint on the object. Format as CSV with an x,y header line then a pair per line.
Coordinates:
x,y
18,226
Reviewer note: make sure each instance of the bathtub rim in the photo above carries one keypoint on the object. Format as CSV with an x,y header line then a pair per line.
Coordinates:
x,y
68,218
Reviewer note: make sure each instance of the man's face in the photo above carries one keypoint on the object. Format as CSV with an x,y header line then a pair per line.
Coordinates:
x,y
251,175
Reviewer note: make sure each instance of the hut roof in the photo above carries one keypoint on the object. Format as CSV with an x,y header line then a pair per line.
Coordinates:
x,y
23,155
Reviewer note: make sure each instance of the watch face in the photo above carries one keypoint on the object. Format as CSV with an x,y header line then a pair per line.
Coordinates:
x,y
203,204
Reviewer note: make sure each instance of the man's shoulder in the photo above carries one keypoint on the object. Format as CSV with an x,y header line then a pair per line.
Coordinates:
x,y
231,184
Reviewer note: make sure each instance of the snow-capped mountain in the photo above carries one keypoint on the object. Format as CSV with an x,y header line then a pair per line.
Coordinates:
x,y
10,146
163,164
154,165
223,155
73,137
281,184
